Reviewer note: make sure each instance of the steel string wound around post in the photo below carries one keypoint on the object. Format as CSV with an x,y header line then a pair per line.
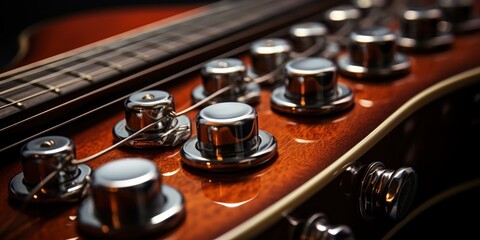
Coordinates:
x,y
42,157
148,107
226,72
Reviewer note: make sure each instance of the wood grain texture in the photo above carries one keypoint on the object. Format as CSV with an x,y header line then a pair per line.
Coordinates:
x,y
217,203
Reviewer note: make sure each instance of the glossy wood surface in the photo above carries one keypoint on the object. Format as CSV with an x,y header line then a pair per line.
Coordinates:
x,y
217,203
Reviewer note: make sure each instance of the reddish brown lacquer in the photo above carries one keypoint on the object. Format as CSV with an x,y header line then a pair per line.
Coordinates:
x,y
216,203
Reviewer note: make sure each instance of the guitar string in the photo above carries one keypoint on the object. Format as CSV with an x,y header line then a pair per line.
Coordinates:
x,y
91,61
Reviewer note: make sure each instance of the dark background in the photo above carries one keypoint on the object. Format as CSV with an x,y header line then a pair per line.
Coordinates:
x,y
16,15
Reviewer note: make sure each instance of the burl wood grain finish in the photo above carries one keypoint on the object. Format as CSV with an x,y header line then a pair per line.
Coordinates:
x,y
217,203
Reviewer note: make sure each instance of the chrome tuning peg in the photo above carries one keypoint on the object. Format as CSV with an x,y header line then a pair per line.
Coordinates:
x,y
228,139
318,227
308,34
145,108
268,55
128,200
372,54
43,156
386,192
311,38
423,28
341,16
311,88
223,72
460,13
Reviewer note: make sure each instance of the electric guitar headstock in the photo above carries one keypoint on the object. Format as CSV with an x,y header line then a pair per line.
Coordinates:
x,y
232,119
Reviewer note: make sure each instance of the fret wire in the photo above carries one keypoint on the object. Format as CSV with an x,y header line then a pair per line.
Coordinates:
x,y
40,79
110,53
105,63
39,69
49,76
46,86
64,84
10,101
74,73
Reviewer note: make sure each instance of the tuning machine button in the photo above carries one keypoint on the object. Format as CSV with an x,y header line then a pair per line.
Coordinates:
x,y
311,88
42,156
460,13
423,28
129,200
228,139
386,192
310,38
318,227
268,55
342,16
145,108
372,54
308,34
220,73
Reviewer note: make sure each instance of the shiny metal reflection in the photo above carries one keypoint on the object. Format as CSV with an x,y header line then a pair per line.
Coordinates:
x,y
41,157
386,192
461,14
318,227
339,16
223,72
129,200
267,55
423,28
228,139
145,108
307,34
372,55
311,88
